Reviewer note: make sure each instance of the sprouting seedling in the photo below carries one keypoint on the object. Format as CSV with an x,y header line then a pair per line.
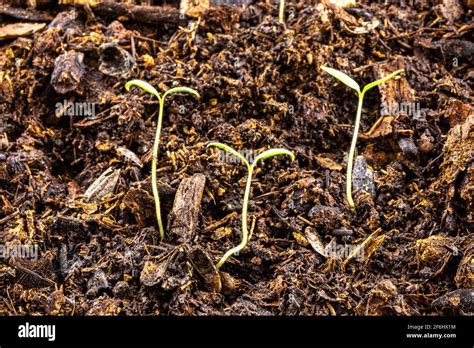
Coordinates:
x,y
348,81
281,15
150,89
250,169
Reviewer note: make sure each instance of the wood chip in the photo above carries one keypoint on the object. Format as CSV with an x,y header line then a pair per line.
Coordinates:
x,y
12,31
183,218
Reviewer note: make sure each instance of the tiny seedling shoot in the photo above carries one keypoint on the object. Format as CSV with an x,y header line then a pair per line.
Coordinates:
x,y
348,81
250,169
282,12
150,89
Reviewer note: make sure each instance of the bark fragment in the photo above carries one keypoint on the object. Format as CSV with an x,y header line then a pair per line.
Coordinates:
x,y
183,218
11,31
68,71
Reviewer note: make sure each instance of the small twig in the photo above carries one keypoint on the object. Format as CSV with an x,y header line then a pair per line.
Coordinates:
x,y
221,222
11,302
282,219
428,166
33,273
360,247
252,226
9,217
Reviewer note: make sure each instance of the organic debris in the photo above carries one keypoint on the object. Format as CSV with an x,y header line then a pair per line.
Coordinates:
x,y
76,152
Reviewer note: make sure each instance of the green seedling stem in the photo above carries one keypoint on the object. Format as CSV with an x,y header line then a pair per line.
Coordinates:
x,y
348,81
281,15
250,169
150,89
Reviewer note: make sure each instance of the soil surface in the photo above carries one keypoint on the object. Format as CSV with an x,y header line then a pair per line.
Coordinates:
x,y
78,184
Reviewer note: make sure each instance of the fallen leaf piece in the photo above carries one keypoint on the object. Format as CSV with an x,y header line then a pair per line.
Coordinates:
x,y
315,241
103,185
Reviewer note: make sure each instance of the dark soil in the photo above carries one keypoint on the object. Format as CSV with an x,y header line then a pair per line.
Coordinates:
x,y
260,87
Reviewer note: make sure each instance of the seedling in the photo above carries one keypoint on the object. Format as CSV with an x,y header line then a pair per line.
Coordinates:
x,y
150,89
282,12
250,169
348,81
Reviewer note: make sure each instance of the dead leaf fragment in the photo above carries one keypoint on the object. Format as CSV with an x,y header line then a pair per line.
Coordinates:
x,y
315,241
152,273
327,162
103,185
300,239
129,156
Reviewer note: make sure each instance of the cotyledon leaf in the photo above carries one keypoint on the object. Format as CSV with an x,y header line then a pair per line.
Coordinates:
x,y
230,150
382,80
345,79
143,85
182,90
274,152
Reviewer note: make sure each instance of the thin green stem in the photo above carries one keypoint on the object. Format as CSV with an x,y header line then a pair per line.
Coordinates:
x,y
282,12
245,232
349,82
153,169
350,162
150,89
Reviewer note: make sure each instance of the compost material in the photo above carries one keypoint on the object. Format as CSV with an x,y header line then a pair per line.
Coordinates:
x,y
77,184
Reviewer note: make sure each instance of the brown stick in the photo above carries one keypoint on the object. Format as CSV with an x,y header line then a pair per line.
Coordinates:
x,y
25,14
141,14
